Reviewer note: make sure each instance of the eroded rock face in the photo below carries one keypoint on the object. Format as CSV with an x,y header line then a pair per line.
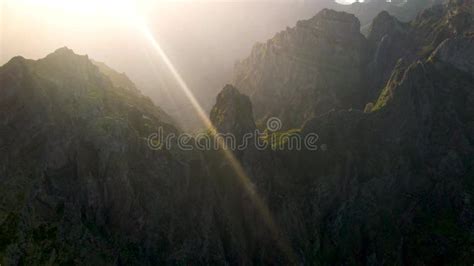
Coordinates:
x,y
79,183
73,164
324,63
389,40
458,52
395,162
306,70
232,113
393,179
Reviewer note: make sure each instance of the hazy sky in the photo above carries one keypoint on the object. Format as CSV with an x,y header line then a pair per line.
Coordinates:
x,y
203,39
33,27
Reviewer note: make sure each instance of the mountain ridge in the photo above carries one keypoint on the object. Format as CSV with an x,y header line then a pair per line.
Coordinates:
x,y
302,63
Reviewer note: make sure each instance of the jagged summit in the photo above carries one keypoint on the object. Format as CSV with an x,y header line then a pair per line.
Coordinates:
x,y
16,59
331,20
384,24
75,79
63,50
70,138
228,90
232,112
66,53
305,70
65,58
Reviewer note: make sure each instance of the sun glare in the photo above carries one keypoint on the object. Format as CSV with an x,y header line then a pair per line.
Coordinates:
x,y
75,6
243,178
78,12
92,14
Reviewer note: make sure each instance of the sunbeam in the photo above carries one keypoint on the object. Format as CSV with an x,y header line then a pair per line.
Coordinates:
x,y
243,178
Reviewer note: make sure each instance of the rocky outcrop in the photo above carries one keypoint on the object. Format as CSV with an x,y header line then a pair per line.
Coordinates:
x,y
458,52
232,113
389,40
384,24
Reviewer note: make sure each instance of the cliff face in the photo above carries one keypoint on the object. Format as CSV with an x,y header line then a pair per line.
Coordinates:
x,y
306,70
74,171
402,172
391,40
325,63
232,112
79,183
394,183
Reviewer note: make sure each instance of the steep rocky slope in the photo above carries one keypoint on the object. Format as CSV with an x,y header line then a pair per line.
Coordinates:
x,y
325,63
393,185
72,163
234,108
391,40
80,185
306,70
401,177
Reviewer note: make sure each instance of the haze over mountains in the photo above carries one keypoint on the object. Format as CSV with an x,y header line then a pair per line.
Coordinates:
x,y
80,184
204,40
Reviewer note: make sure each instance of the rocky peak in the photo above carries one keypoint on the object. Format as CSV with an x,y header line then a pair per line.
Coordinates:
x,y
65,64
306,70
232,112
63,51
388,41
382,25
333,22
64,56
17,66
229,90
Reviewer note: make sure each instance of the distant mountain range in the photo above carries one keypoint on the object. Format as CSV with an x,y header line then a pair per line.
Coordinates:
x,y
325,63
223,33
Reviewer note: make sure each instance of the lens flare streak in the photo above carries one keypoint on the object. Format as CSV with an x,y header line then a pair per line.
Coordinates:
x,y
244,180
